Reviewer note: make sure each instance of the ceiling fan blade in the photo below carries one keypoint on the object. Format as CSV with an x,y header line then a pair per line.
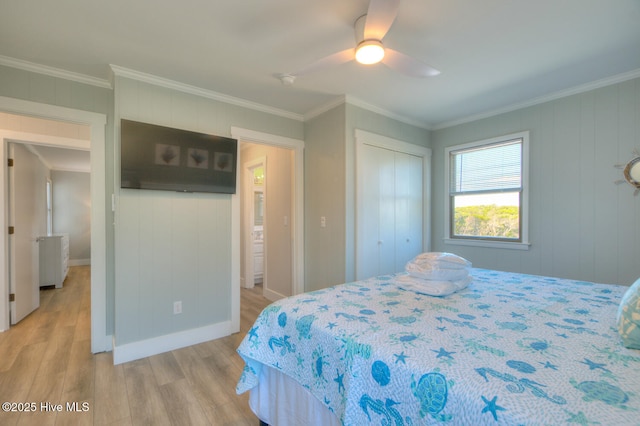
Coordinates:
x,y
407,65
335,59
380,16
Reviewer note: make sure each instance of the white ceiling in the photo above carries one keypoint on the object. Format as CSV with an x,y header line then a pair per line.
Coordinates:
x,y
63,159
493,54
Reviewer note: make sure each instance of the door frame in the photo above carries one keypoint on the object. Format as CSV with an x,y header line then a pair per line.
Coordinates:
x,y
367,138
100,341
297,220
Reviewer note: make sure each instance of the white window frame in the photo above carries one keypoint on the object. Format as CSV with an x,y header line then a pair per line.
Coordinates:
x,y
524,208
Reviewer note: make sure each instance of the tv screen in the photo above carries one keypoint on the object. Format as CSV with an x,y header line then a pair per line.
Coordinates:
x,y
163,158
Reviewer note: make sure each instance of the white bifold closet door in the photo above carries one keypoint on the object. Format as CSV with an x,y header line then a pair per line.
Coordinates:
x,y
389,210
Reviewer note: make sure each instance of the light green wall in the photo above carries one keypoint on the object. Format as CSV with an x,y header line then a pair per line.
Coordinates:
x,y
137,100
330,188
72,212
170,246
582,225
324,195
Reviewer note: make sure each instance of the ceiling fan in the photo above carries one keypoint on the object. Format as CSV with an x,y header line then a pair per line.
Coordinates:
x,y
370,29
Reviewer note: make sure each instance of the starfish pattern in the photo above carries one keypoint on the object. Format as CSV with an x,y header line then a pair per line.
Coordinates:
x,y
594,365
401,357
549,365
253,333
492,407
442,353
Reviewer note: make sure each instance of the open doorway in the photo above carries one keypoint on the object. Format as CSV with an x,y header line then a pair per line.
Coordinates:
x,y
50,212
48,189
100,334
280,196
266,206
254,219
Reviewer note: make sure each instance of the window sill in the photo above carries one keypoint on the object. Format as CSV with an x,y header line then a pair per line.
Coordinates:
x,y
485,243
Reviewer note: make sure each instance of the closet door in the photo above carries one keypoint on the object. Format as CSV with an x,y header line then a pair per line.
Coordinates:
x,y
368,212
408,208
386,260
389,210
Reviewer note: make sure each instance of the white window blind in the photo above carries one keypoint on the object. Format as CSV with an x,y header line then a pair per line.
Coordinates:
x,y
488,168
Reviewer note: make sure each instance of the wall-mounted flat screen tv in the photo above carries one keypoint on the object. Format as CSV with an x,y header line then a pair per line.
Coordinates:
x,y
163,158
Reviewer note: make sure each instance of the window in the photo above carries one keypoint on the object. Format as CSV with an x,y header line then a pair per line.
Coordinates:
x,y
488,192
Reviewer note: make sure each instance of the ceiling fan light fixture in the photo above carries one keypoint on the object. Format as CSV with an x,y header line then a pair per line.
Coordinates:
x,y
369,52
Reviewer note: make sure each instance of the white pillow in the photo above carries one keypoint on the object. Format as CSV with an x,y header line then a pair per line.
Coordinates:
x,y
628,317
445,260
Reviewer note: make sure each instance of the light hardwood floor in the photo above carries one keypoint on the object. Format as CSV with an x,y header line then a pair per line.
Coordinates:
x,y
47,358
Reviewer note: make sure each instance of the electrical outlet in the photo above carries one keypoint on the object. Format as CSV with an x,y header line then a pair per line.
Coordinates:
x,y
177,307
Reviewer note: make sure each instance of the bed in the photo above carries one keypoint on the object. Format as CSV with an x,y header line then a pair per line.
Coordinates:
x,y
509,349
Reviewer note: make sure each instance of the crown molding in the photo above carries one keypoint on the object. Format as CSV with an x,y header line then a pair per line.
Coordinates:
x,y
338,100
352,100
619,78
319,110
370,107
119,71
54,72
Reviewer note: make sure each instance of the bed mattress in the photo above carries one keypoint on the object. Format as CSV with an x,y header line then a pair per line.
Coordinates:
x,y
509,349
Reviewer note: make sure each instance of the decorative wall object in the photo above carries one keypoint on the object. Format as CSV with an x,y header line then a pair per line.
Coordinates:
x,y
631,172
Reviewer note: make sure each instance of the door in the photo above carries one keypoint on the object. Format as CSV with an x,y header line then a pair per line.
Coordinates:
x,y
389,210
23,243
408,208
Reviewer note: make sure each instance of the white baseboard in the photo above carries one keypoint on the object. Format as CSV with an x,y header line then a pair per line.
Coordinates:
x,y
246,284
272,295
157,345
79,262
104,344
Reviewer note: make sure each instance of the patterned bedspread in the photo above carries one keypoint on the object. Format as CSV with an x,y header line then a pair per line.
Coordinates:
x,y
510,349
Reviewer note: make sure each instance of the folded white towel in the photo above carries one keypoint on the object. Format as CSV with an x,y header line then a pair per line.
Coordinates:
x,y
434,272
438,266
431,287
443,259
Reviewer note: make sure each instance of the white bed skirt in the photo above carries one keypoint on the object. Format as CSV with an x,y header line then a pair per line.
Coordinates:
x,y
278,400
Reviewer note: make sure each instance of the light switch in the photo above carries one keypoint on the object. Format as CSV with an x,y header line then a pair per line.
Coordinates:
x,y
323,221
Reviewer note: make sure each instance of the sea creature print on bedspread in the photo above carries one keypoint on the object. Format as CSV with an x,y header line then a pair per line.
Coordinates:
x,y
509,349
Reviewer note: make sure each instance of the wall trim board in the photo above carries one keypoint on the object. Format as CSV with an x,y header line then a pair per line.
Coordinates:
x,y
168,342
194,90
543,99
54,72
352,100
272,295
364,137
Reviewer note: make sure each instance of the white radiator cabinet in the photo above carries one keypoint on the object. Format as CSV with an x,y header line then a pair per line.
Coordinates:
x,y
54,260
